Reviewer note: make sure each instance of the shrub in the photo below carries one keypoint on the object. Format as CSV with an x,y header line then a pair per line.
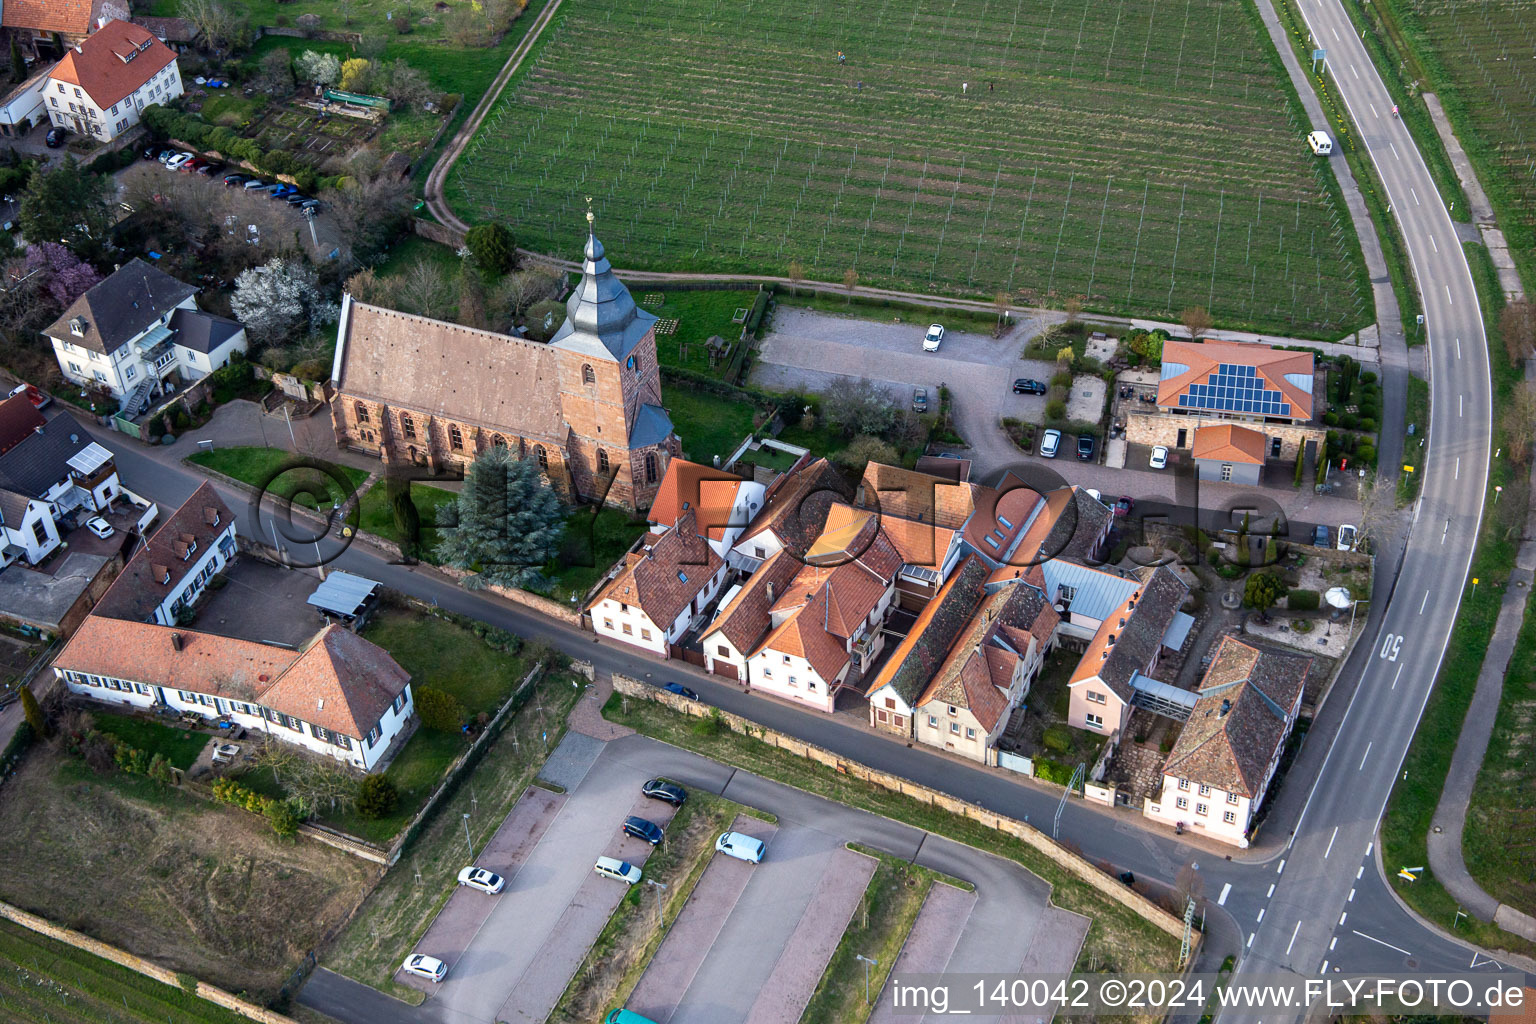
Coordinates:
x,y
376,797
1367,424
1055,409
34,713
438,710
1050,771
1368,377
1366,453
1349,421
1056,738
1303,600
493,246
283,816
1330,419
1062,380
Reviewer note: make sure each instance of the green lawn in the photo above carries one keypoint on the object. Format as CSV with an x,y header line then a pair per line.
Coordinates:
x,y
708,425
907,164
268,467
446,656
411,249
377,515
229,108
180,746
593,542
1417,413
45,980
699,315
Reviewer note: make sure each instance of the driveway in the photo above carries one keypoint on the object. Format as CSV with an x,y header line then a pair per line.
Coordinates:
x,y
809,350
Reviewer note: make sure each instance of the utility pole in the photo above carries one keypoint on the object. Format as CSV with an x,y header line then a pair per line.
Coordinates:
x,y
659,886
868,963
466,837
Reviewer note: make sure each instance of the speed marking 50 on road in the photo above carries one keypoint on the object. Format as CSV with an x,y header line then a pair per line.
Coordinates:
x,y
1391,645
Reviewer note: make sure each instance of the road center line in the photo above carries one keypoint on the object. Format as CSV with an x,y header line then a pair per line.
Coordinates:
x,y
1335,942
1434,243
1362,762
1335,34
1271,890
1249,943
1329,850
1281,868
1261,914
1378,942
1221,900
1458,467
1394,686
1369,847
1288,945
1458,348
1373,114
1459,403
1448,295
1361,869
1424,602
1394,151
1414,194
1323,969
1343,917
1351,895
1354,72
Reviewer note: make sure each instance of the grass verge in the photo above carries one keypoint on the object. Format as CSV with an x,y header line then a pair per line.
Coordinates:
x,y
377,516
624,948
1417,413
1119,940
878,930
268,468
1407,820
399,909
45,980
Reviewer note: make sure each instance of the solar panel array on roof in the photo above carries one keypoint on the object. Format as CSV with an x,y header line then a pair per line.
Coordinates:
x,y
1235,388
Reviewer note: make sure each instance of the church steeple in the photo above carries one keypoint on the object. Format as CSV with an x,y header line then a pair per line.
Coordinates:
x,y
602,318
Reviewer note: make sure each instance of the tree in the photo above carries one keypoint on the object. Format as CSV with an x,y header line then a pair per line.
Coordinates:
x,y
439,711
506,522
67,276
471,299
492,247
18,65
402,83
1196,321
865,449
68,205
796,272
1520,422
424,289
369,212
34,713
376,797
320,68
1072,305
356,74
1261,592
1517,325
850,281
274,75
280,297
518,291
856,406
222,27
545,318
284,817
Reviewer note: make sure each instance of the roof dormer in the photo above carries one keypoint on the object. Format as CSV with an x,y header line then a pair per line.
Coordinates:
x,y
77,326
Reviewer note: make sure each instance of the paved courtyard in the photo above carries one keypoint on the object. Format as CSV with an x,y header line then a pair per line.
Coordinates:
x,y
264,603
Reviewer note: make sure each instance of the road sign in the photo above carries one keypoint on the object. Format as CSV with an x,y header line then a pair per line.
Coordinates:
x,y
1318,55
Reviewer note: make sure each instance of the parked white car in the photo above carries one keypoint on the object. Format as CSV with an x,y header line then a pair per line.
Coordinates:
x,y
932,339
485,880
1159,458
1347,534
100,527
423,966
1050,444
177,160
741,846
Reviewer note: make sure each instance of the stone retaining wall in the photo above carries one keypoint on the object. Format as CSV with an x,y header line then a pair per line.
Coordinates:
x,y
69,937
1071,862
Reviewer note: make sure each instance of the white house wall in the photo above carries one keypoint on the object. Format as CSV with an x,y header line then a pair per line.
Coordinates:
x,y
206,563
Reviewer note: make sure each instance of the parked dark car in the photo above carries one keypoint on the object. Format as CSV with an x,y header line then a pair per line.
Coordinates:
x,y
1085,446
209,170
1028,386
313,204
297,199
231,180
919,399
55,137
1320,536
668,792
642,829
680,690
154,150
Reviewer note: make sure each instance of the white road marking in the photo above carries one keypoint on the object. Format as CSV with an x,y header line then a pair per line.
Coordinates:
x,y
1364,756
1288,945
1335,942
1281,867
1335,34
1261,914
1458,348
1448,295
1221,900
1378,942
1351,895
1458,467
1414,194
1323,969
1394,686
1361,869
1249,943
1424,602
1460,400
1343,917
1271,890
1434,243
1373,114
1369,847
1394,151
1353,71
1329,850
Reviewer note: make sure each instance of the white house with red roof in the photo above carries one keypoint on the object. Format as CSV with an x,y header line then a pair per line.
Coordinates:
x,y
103,83
723,503
339,695
657,590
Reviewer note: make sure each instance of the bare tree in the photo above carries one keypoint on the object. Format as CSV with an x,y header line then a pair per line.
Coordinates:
x,y
1517,324
423,289
850,281
1196,321
1073,307
1378,511
1520,421
222,25
519,291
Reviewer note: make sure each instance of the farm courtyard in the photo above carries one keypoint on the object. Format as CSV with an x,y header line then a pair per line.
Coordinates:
x,y
1143,157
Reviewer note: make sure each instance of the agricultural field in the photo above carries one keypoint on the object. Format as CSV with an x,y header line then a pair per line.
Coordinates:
x,y
1477,59
1144,157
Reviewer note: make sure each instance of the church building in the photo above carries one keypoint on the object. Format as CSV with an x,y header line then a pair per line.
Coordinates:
x,y
586,405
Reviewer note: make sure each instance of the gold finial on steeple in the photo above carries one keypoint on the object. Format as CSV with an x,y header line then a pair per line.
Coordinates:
x,y
589,212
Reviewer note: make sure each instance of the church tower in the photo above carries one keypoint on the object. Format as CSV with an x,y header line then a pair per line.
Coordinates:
x,y
610,388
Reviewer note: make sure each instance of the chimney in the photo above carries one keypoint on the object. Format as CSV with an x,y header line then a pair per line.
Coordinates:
x,y
1226,705
770,591
176,642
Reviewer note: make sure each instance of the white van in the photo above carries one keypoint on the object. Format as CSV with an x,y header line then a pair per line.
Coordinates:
x,y
619,870
741,846
1321,144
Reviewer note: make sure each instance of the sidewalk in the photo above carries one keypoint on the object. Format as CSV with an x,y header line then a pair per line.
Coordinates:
x,y
1482,209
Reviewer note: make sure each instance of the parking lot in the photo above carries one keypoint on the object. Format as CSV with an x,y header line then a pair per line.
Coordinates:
x,y
752,941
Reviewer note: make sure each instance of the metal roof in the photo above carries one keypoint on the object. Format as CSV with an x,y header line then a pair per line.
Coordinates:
x,y
602,319
1178,630
1098,593
342,593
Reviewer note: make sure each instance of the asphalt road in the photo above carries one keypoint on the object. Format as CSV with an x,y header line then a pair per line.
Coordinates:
x,y
1329,908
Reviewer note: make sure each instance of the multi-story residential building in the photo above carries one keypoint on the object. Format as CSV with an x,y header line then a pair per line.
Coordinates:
x,y
988,673
138,330
165,577
101,85
793,514
723,503
1225,758
652,599
339,695
745,616
48,469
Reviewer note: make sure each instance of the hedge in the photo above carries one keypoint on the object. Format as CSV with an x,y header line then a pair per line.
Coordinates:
x,y
1303,600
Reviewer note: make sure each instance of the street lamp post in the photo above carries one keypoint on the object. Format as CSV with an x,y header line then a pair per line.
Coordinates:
x,y
466,837
659,886
868,963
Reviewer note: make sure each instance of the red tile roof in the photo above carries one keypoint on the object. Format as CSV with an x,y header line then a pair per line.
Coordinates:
x,y
665,577
710,492
1230,443
907,494
114,61
1202,359
67,17
339,682
142,585
746,618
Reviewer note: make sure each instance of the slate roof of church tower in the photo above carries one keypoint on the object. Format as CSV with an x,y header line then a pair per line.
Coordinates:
x,y
602,319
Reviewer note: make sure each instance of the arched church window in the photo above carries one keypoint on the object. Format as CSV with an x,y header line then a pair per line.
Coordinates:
x,y
407,426
456,438
362,412
650,467
543,457
499,441
587,376
602,461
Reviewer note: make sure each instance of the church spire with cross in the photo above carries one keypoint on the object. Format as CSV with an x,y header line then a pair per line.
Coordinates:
x,y
602,319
